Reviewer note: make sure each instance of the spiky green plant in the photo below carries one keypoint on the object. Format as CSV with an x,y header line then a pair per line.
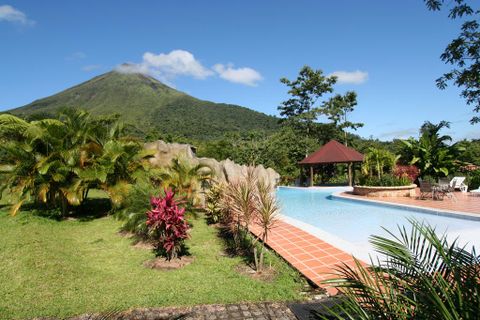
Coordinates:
x,y
421,276
266,215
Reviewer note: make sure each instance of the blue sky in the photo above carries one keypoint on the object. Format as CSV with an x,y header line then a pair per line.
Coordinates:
x,y
236,52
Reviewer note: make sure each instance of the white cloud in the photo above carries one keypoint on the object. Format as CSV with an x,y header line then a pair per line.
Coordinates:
x,y
176,63
350,77
91,67
168,66
10,14
246,76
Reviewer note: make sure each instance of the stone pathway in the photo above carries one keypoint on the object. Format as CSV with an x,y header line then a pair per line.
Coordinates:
x,y
244,311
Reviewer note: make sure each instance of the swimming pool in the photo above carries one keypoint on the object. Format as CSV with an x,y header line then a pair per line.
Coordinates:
x,y
348,224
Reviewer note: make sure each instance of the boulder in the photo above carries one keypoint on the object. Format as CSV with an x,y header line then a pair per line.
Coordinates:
x,y
224,171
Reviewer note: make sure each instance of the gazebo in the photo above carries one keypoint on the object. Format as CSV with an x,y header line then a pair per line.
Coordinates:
x,y
331,153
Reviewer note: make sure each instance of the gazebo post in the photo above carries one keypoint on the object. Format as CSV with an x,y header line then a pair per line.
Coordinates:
x,y
311,176
350,182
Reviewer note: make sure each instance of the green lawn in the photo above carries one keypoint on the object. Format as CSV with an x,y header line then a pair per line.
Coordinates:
x,y
64,268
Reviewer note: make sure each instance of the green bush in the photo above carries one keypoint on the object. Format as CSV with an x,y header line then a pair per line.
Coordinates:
x,y
387,180
136,204
474,182
213,197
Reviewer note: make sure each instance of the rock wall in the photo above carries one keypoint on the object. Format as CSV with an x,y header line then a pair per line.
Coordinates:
x,y
224,171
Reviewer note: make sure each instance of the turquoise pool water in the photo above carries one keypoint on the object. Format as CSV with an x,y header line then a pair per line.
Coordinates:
x,y
348,224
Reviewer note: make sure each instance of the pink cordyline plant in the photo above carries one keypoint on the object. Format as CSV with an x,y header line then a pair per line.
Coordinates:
x,y
167,225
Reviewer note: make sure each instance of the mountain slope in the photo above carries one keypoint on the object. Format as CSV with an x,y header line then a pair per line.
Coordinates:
x,y
148,103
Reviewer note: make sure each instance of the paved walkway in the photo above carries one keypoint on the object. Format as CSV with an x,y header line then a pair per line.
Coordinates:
x,y
314,258
461,202
246,311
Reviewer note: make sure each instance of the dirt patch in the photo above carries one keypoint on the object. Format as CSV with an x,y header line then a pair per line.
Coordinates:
x,y
162,264
143,245
125,234
268,274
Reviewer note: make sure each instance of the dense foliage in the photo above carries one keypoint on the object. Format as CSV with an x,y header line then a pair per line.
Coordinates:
x,y
377,162
183,178
167,225
431,153
420,276
55,162
474,180
409,171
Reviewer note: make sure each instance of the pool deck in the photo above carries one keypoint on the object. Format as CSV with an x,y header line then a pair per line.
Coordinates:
x,y
461,202
317,260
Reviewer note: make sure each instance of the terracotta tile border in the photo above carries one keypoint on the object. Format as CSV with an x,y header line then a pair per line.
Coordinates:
x,y
311,256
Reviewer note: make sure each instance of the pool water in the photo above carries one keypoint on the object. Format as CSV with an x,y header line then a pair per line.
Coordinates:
x,y
348,224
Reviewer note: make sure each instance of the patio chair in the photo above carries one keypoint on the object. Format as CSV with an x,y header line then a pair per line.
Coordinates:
x,y
475,192
449,191
457,183
426,189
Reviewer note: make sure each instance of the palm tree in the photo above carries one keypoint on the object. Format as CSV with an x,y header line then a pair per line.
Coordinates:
x,y
378,161
57,161
186,178
422,276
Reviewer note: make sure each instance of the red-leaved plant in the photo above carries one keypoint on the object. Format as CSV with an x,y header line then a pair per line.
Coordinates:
x,y
167,225
409,171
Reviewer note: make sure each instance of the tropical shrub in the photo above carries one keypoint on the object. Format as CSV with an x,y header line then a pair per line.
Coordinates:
x,y
431,153
266,216
245,203
387,180
421,276
213,208
186,179
378,162
409,171
167,225
136,203
55,162
239,205
474,180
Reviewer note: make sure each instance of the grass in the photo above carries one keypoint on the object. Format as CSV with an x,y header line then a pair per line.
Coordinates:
x,y
70,267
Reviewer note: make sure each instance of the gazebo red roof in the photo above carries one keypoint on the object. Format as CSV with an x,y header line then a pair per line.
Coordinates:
x,y
333,152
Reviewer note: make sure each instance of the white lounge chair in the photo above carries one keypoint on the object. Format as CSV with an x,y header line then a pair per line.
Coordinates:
x,y
457,183
475,192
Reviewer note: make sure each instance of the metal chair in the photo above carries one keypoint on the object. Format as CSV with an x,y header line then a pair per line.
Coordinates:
x,y
426,189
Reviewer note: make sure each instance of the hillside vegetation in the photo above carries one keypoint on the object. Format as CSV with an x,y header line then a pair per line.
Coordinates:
x,y
150,105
